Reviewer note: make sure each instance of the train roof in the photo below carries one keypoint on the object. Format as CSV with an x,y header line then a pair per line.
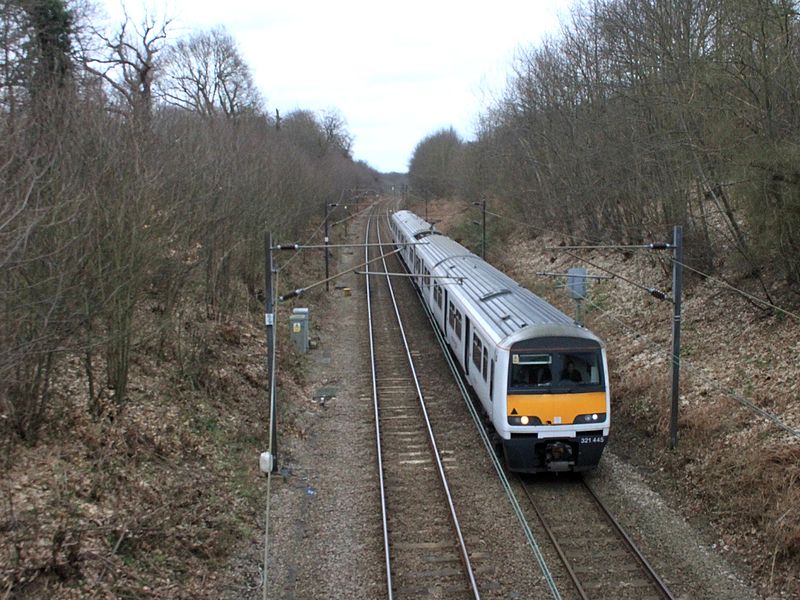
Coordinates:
x,y
511,312
415,226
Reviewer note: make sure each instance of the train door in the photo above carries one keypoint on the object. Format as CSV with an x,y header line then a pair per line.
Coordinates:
x,y
444,312
466,344
491,381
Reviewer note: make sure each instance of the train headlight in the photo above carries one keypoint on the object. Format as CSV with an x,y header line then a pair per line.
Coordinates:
x,y
591,418
523,420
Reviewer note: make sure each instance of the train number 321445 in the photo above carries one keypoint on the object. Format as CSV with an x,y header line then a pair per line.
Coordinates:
x,y
592,439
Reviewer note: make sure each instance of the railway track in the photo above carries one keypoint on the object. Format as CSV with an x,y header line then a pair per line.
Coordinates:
x,y
425,550
597,555
426,553
602,560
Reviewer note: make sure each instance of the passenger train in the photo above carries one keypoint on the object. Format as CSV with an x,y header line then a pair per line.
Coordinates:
x,y
541,379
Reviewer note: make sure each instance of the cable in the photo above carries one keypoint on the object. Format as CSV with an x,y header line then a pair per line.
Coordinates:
x,y
317,230
638,228
723,390
542,229
650,290
742,292
311,237
656,246
651,246
301,291
352,216
658,294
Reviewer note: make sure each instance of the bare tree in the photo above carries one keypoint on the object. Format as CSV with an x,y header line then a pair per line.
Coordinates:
x,y
337,137
207,75
132,63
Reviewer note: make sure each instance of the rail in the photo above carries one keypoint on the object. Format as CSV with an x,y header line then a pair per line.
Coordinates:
x,y
617,531
464,554
377,420
499,469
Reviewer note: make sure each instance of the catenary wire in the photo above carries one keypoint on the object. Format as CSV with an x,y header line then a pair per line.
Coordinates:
x,y
352,216
742,292
310,237
317,230
542,229
683,264
300,291
699,373
650,290
638,228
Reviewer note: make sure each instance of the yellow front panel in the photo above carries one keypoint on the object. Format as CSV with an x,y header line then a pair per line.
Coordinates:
x,y
550,406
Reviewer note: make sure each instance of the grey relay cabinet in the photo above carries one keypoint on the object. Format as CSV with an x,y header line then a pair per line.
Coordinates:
x,y
298,327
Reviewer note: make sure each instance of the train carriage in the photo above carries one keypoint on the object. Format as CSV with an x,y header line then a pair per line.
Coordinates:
x,y
540,378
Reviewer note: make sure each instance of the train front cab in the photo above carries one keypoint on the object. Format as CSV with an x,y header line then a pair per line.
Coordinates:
x,y
557,405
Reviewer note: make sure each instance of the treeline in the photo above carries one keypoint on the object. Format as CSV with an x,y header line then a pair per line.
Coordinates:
x,y
136,165
646,113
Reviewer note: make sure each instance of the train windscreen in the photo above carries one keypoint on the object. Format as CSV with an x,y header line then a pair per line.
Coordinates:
x,y
555,367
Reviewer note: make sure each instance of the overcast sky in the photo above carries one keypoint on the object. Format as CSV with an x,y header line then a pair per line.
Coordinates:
x,y
396,71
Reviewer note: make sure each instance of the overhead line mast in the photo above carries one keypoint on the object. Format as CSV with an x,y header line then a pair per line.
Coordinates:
x,y
677,292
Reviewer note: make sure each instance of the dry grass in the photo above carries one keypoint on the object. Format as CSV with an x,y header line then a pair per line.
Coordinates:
x,y
152,498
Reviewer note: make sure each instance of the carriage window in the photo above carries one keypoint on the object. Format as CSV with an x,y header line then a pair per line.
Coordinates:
x,y
457,326
437,294
451,315
485,362
476,351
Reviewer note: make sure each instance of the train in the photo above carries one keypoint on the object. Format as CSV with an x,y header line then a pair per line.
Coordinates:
x,y
541,379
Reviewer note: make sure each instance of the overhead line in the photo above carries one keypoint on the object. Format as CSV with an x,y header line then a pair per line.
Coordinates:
x,y
300,291
571,235
658,294
742,292
725,391
651,246
317,230
352,216
542,229
310,237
